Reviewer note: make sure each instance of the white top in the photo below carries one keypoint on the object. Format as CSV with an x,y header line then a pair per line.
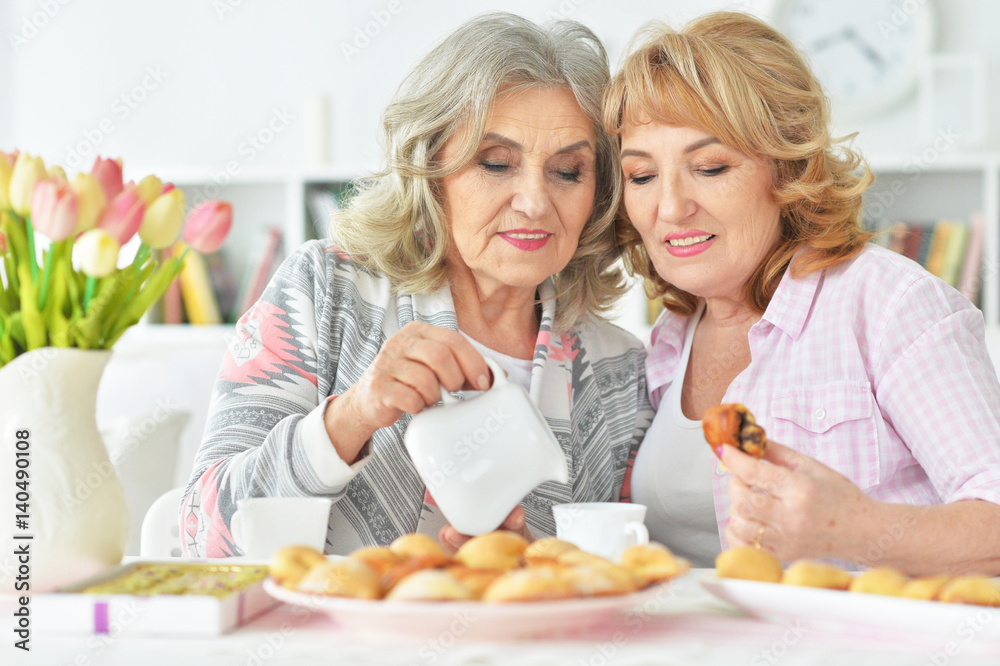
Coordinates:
x,y
672,476
518,369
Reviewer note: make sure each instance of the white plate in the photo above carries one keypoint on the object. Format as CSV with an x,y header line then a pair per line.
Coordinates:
x,y
470,619
838,610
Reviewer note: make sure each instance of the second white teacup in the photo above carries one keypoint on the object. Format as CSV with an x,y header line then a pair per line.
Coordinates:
x,y
602,528
262,525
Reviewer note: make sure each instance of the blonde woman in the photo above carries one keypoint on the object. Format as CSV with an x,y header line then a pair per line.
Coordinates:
x,y
870,375
490,233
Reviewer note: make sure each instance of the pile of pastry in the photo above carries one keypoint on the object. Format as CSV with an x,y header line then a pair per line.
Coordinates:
x,y
494,567
749,563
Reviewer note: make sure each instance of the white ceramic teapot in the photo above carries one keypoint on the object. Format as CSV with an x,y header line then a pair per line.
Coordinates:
x,y
480,457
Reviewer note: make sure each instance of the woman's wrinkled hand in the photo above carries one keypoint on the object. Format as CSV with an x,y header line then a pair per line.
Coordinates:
x,y
795,506
451,539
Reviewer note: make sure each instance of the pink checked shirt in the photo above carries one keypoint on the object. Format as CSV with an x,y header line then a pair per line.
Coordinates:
x,y
874,367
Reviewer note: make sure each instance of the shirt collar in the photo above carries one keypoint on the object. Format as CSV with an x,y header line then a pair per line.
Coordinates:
x,y
792,301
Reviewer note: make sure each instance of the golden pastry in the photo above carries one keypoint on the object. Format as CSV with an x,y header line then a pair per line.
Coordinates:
x,y
653,562
748,563
733,424
809,573
419,545
429,585
546,551
925,588
408,566
379,558
978,590
477,580
534,584
291,563
495,550
341,578
879,581
592,580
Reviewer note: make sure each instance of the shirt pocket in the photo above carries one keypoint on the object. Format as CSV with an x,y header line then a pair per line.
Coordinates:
x,y
834,423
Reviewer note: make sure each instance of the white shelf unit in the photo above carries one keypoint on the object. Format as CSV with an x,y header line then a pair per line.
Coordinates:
x,y
911,188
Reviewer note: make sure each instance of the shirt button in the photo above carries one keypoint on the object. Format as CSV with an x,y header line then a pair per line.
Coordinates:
x,y
720,470
820,414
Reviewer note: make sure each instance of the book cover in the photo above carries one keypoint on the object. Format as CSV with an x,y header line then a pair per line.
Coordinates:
x,y
925,246
971,281
897,233
954,253
173,301
935,254
269,250
196,289
914,241
323,203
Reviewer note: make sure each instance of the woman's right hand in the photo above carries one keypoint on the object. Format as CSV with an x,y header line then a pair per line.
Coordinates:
x,y
405,377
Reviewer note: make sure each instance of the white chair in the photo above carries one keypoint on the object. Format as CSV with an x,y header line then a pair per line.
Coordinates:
x,y
161,536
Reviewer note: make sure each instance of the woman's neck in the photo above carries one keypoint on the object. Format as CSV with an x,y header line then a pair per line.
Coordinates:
x,y
499,316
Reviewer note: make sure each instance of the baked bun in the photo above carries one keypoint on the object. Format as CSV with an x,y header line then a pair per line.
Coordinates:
x,y
927,588
733,424
419,545
406,567
653,562
534,584
429,585
379,558
495,550
809,573
546,551
477,580
291,563
600,580
977,590
341,578
879,581
748,563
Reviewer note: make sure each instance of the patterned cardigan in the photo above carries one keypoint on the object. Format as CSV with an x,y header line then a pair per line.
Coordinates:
x,y
318,326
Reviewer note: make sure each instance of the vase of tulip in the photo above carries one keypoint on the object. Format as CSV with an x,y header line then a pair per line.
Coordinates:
x,y
66,297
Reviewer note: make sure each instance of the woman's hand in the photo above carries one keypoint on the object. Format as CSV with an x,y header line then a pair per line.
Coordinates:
x,y
795,506
404,378
451,539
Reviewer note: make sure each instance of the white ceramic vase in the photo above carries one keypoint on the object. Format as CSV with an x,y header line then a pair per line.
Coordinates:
x,y
77,515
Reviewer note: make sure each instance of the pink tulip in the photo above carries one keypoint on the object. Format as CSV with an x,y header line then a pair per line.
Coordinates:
x,y
54,209
109,174
121,218
166,188
3,243
207,226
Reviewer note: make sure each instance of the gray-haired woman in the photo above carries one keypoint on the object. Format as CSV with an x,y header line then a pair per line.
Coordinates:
x,y
489,233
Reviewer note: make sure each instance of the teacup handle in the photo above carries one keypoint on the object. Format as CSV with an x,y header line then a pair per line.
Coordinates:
x,y
236,528
499,379
639,531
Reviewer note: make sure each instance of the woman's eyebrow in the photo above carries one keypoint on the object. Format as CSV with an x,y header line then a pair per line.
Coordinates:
x,y
510,143
701,143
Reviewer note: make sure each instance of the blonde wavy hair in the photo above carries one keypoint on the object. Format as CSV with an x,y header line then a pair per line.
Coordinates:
x,y
395,223
733,76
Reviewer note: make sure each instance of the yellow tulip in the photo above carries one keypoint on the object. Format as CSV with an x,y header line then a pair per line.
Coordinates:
x,y
89,200
149,189
98,253
5,170
57,173
163,220
28,170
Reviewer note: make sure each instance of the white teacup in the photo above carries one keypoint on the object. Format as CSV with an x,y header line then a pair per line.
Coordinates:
x,y
262,525
480,457
602,528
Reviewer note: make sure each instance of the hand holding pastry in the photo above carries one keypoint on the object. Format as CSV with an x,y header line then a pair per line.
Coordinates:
x,y
733,424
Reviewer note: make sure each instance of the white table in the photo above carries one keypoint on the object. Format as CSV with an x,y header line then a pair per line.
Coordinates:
x,y
691,627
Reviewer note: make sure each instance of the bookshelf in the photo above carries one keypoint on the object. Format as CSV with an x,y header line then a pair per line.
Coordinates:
x,y
911,188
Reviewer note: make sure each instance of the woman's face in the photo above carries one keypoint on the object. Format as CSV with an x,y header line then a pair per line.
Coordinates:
x,y
517,209
704,210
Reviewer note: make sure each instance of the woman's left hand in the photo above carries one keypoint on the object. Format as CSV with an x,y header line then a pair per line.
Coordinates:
x,y
451,539
795,506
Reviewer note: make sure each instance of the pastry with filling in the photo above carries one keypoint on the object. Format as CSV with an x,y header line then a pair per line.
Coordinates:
x,y
748,563
733,424
495,550
810,573
291,563
429,585
341,578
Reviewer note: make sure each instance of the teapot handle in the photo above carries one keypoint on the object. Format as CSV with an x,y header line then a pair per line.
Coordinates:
x,y
499,379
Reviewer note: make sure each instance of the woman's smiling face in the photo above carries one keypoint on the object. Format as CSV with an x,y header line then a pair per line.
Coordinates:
x,y
517,210
704,210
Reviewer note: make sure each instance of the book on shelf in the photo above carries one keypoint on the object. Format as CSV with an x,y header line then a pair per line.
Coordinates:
x,y
970,281
200,302
323,203
268,251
